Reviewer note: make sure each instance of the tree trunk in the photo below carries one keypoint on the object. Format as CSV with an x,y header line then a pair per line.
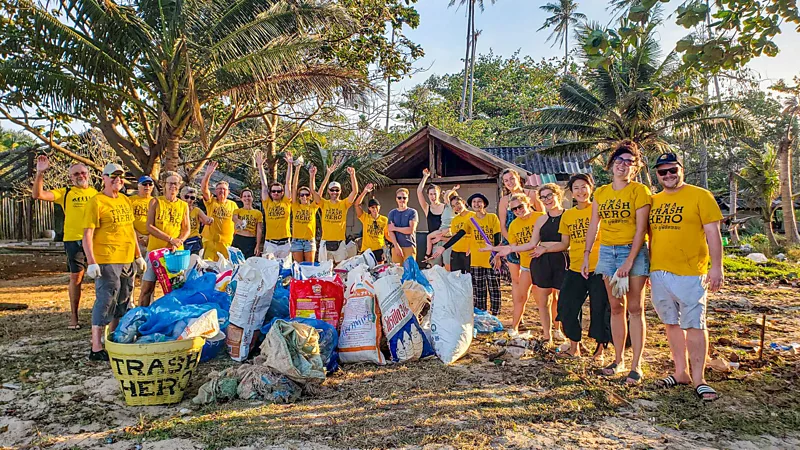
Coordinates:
x,y
466,62
566,50
768,225
785,174
271,120
472,68
733,185
171,156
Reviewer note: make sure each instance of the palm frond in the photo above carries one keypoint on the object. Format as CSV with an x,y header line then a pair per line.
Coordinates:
x,y
571,148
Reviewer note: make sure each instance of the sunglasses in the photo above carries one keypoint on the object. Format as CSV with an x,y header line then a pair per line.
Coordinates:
x,y
402,198
305,194
115,175
333,190
664,172
624,161
520,206
147,183
546,197
277,192
190,197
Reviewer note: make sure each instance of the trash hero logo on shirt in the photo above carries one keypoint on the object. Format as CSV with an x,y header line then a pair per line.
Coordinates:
x,y
333,215
140,209
302,215
374,230
614,209
578,229
121,214
222,212
523,236
665,215
276,212
169,215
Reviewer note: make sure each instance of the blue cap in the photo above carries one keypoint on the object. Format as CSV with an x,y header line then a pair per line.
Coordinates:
x,y
144,178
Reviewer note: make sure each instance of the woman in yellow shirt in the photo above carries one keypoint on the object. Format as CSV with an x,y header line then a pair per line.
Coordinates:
x,y
140,202
304,218
168,226
219,233
249,227
113,254
374,226
197,218
620,212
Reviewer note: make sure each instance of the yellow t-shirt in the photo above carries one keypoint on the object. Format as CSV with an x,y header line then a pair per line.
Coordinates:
x,y
462,222
617,210
169,218
575,224
304,221
74,206
221,229
679,243
334,219
490,224
194,222
520,232
140,205
253,218
374,232
278,217
114,241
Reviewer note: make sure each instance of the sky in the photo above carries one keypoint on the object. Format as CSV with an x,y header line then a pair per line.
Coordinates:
x,y
510,25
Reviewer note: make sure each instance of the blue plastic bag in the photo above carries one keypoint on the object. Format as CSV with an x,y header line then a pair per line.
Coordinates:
x,y
328,340
486,323
411,271
279,308
128,328
162,319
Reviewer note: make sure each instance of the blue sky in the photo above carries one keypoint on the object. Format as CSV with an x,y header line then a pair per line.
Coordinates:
x,y
509,25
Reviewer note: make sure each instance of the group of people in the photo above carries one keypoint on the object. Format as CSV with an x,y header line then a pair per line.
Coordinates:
x,y
607,247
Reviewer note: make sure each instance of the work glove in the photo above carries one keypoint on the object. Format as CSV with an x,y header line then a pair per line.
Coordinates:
x,y
93,271
141,266
619,286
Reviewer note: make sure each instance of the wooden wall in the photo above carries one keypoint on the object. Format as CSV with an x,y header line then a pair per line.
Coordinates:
x,y
15,218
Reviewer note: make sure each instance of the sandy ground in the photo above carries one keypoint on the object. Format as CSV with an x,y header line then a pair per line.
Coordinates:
x,y
52,397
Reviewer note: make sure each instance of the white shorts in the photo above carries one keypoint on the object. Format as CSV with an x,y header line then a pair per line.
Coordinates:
x,y
337,256
278,251
679,300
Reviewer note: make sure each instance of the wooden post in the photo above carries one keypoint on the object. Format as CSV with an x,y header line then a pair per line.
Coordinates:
x,y
439,170
30,200
432,158
763,329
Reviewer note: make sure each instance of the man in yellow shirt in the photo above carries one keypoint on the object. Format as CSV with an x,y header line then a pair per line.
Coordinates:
x,y
374,226
276,199
485,280
685,234
168,227
140,204
219,232
73,201
196,218
113,255
334,215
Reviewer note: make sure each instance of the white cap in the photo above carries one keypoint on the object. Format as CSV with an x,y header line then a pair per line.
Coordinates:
x,y
334,184
112,168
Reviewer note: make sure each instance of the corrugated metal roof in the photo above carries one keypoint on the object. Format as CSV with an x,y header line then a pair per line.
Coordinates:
x,y
530,160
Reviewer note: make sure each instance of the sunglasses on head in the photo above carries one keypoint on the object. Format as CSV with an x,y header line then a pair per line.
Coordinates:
x,y
664,172
520,206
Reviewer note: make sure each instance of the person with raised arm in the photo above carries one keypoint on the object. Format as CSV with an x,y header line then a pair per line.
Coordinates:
x,y
334,214
276,198
219,234
197,217
168,227
249,226
436,238
374,226
113,254
304,218
140,202
73,200
619,212
460,237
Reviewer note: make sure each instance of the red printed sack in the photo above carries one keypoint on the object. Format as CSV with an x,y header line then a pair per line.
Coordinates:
x,y
317,298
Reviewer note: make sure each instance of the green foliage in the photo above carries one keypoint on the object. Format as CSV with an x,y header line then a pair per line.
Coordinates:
x,y
507,94
740,268
9,140
759,179
564,15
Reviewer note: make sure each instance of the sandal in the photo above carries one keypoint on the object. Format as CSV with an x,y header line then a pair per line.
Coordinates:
x,y
633,375
704,390
669,383
77,326
612,369
566,355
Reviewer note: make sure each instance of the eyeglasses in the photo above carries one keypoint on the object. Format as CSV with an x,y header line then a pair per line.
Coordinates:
x,y
305,194
402,198
520,206
79,174
624,161
333,190
276,192
664,172
547,197
173,183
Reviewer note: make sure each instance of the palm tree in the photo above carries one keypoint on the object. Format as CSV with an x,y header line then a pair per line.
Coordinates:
x,y
761,181
791,110
564,14
369,166
469,57
151,74
626,97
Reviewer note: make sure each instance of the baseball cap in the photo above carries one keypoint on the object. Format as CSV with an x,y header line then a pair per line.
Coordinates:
x,y
144,178
480,196
334,184
373,202
667,158
112,168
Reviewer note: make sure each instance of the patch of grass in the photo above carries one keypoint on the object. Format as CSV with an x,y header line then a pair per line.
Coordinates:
x,y
740,268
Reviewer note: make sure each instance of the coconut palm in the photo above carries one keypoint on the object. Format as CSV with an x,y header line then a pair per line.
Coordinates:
x,y
629,94
792,111
369,166
147,73
469,58
761,182
564,15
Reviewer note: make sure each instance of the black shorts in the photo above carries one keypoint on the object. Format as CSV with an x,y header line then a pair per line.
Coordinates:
x,y
460,262
76,258
548,270
247,244
379,256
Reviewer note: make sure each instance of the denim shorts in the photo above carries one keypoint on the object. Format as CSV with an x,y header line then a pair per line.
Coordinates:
x,y
613,256
302,245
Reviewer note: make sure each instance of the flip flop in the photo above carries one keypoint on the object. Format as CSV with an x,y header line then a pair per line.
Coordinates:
x,y
615,369
633,375
566,355
74,327
669,383
703,390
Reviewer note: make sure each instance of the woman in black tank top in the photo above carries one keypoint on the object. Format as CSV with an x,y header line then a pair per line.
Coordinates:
x,y
549,267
